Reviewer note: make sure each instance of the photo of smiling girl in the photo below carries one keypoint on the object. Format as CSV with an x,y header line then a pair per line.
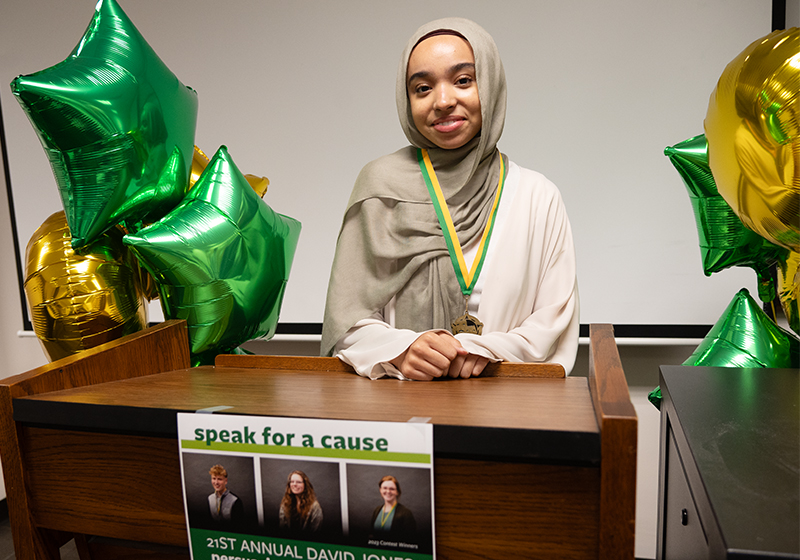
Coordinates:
x,y
300,513
392,519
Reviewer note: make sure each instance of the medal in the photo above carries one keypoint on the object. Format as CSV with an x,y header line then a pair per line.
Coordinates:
x,y
466,323
466,278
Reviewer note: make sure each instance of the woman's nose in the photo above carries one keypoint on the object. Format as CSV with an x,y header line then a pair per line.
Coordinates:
x,y
445,99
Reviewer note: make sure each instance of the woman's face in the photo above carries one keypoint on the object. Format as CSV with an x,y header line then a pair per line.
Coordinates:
x,y
388,491
443,92
296,484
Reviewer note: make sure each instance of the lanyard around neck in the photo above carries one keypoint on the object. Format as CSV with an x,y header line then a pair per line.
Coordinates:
x,y
466,278
385,518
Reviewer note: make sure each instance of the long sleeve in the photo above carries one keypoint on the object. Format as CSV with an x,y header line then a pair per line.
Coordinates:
x,y
314,518
528,296
529,305
371,343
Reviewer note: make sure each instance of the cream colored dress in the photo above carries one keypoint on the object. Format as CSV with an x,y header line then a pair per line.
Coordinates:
x,y
526,295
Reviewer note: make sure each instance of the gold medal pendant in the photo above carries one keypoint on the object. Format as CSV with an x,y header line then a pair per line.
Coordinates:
x,y
466,323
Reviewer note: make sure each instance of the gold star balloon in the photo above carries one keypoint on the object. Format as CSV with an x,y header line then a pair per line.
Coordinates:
x,y
789,290
117,126
753,131
200,161
81,299
221,260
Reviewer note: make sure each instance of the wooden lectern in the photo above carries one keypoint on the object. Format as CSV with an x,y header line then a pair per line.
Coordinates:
x,y
527,463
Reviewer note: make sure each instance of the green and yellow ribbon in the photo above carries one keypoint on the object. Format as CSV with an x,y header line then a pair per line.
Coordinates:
x,y
466,278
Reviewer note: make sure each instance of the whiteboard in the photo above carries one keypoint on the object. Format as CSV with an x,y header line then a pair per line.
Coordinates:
x,y
303,92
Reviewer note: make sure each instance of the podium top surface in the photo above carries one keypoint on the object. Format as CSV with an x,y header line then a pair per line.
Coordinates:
x,y
524,418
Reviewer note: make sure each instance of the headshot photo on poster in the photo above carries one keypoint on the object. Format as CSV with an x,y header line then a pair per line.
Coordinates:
x,y
220,492
390,507
302,499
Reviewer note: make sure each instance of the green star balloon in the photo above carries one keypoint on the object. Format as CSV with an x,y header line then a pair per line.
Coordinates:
x,y
743,337
117,125
655,397
221,260
724,240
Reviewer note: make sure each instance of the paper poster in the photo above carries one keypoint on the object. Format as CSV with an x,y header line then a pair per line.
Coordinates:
x,y
266,488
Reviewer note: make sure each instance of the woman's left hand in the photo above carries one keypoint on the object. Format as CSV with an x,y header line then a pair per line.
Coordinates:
x,y
469,365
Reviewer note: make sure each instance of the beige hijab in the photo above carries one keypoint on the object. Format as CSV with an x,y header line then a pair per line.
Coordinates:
x,y
391,244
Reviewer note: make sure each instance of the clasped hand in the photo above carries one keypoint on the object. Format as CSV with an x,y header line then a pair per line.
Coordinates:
x,y
436,354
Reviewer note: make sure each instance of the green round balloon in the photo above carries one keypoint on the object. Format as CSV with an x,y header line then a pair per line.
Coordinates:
x,y
221,260
117,125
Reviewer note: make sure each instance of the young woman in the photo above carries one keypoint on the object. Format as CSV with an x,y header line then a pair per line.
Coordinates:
x,y
391,518
300,512
450,255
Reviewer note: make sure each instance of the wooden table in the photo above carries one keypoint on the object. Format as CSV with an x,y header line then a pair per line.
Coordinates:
x,y
522,466
730,463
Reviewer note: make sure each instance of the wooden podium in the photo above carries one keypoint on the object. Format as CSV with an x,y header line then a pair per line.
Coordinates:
x,y
527,463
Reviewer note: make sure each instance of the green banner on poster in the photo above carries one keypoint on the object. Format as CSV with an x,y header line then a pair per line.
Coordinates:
x,y
214,545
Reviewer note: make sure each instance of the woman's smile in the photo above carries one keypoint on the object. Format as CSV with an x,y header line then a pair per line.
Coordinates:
x,y
449,124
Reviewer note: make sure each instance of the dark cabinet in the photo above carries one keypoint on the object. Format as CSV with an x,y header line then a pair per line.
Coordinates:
x,y
729,483
682,528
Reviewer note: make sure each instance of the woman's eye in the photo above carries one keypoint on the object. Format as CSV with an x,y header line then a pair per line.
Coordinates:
x,y
464,81
422,89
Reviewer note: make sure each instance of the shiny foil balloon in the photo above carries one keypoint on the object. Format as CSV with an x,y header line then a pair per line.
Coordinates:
x,y
221,260
117,125
724,241
78,301
789,290
745,337
655,397
753,132
200,161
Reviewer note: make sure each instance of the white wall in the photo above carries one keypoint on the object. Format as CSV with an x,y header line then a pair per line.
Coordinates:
x,y
17,354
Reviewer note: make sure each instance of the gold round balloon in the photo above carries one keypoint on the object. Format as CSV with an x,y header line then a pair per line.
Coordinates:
x,y
200,161
753,132
78,301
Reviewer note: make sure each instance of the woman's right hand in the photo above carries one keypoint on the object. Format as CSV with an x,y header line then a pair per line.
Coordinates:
x,y
429,356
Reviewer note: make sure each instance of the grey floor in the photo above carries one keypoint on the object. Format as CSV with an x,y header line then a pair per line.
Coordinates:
x,y
68,551
6,544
